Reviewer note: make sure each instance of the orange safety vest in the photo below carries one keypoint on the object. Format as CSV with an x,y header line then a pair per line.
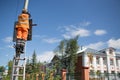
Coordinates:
x,y
23,21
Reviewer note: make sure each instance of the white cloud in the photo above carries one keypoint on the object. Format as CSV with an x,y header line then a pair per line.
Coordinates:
x,y
46,39
66,36
85,23
97,46
115,43
46,56
100,32
51,40
7,39
81,32
72,31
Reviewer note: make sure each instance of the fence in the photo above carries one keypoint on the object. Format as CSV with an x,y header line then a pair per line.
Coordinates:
x,y
105,76
42,77
73,76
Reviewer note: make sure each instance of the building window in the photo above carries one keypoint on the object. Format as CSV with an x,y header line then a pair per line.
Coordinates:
x,y
111,51
98,60
104,61
111,61
117,62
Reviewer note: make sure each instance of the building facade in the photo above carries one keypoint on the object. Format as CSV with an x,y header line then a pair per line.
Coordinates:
x,y
104,61
104,64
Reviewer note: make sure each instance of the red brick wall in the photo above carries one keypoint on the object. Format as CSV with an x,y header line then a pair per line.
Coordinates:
x,y
79,64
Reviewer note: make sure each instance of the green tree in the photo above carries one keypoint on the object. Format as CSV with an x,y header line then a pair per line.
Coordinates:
x,y
68,51
28,67
2,68
71,53
34,62
60,50
61,47
34,59
10,64
38,67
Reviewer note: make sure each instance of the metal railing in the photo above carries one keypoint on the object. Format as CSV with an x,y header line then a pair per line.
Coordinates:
x,y
105,76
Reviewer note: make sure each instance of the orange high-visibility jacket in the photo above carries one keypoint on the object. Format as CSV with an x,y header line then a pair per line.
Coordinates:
x,y
23,21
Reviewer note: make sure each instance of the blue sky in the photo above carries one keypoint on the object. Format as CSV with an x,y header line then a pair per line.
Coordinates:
x,y
96,21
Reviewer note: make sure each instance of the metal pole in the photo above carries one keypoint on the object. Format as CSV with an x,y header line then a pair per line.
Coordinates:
x,y
26,5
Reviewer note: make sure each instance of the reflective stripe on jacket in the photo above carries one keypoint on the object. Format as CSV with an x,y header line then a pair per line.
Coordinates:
x,y
23,21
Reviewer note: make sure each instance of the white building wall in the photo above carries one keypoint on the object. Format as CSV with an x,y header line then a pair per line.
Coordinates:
x,y
114,61
94,63
85,60
115,66
101,65
108,61
119,64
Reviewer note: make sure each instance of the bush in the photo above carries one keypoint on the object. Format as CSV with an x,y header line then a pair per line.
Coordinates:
x,y
57,77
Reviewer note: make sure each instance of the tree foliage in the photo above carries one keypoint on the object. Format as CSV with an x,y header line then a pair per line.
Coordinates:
x,y
2,68
60,51
10,64
71,53
34,59
68,50
28,67
34,63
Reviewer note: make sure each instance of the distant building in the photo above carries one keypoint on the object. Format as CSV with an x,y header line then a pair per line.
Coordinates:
x,y
103,61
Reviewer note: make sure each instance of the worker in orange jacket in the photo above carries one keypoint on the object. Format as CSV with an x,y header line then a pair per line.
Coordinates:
x,y
22,28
